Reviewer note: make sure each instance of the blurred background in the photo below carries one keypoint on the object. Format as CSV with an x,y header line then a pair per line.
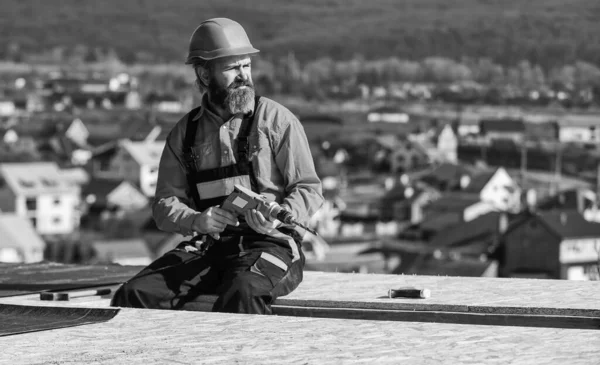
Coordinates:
x,y
452,138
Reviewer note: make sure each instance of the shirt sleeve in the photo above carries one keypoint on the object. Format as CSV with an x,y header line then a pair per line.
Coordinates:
x,y
172,207
304,195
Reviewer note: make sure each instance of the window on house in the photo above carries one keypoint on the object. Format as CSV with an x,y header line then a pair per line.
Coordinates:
x,y
104,165
49,182
57,201
31,203
57,220
26,183
34,222
588,204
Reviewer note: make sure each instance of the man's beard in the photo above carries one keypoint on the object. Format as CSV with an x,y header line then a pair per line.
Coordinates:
x,y
232,98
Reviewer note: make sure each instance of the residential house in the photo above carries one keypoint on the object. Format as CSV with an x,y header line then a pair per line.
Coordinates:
x,y
496,187
77,132
387,114
122,252
552,244
166,103
39,192
468,127
445,176
75,175
68,143
14,144
103,193
417,258
546,130
503,129
133,100
446,143
7,108
582,200
136,162
440,144
406,203
455,207
19,242
101,134
449,210
402,154
146,129
10,137
64,92
478,238
580,128
430,264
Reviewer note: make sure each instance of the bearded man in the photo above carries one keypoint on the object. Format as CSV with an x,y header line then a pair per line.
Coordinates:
x,y
234,137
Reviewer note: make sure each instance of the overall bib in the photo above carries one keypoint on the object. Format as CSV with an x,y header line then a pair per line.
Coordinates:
x,y
245,269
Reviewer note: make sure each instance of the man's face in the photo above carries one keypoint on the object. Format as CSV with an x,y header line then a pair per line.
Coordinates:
x,y
230,84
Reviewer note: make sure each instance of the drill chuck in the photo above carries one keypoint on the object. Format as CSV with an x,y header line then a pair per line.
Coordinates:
x,y
275,211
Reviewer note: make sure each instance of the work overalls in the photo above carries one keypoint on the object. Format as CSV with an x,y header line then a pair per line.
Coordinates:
x,y
245,269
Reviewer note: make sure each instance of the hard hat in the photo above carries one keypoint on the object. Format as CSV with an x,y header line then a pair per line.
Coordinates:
x,y
219,37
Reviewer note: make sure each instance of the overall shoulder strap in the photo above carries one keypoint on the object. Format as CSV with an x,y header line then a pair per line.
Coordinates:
x,y
190,129
247,122
189,156
244,146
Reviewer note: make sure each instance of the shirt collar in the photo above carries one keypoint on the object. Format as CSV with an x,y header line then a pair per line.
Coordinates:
x,y
204,108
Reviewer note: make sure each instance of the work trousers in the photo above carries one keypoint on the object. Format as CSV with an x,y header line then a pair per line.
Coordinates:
x,y
247,273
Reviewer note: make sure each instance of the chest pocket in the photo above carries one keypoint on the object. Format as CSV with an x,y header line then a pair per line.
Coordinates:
x,y
204,158
260,146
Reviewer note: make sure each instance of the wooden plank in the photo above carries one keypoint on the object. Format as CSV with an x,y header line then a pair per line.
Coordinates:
x,y
487,319
156,337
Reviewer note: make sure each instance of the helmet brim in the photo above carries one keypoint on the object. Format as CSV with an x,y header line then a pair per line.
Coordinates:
x,y
219,53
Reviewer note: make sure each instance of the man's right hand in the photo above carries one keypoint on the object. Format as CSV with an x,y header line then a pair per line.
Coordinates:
x,y
213,221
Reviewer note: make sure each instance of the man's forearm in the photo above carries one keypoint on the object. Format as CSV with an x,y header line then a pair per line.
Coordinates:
x,y
304,200
173,215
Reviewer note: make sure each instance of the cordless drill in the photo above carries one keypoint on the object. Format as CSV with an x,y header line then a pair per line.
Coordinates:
x,y
241,200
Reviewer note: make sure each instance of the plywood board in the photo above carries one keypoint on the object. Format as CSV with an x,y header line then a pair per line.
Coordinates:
x,y
149,337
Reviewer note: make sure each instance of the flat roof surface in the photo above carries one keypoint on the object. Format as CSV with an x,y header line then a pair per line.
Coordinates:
x,y
159,337
335,318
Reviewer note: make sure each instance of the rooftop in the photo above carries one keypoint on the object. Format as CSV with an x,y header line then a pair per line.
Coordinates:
x,y
570,224
331,318
145,153
31,179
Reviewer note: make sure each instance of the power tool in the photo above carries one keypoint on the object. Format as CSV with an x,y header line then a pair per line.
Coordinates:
x,y
242,199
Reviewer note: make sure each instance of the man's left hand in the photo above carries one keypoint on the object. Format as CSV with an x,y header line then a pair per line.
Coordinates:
x,y
259,223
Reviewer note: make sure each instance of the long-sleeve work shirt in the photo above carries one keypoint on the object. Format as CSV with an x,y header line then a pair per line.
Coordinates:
x,y
279,152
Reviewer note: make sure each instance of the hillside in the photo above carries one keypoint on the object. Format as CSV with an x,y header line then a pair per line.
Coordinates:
x,y
548,32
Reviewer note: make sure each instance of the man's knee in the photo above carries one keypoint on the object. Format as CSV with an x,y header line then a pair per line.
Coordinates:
x,y
134,294
245,293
